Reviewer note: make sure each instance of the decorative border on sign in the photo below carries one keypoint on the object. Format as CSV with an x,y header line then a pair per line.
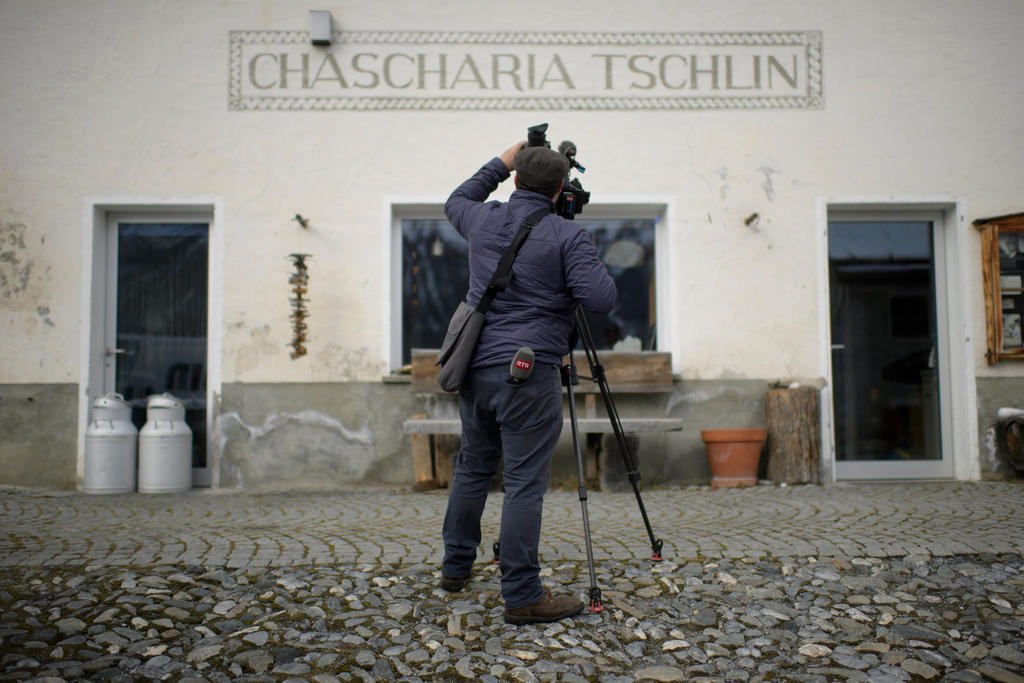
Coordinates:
x,y
812,40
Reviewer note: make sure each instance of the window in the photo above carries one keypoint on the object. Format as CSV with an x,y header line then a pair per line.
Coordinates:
x,y
435,275
627,247
1002,255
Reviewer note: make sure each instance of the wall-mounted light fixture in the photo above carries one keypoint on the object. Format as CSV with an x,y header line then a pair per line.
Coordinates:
x,y
320,27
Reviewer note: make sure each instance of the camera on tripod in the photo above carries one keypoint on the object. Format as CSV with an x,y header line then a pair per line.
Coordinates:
x,y
573,197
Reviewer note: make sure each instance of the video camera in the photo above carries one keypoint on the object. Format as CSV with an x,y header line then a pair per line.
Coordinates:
x,y
573,197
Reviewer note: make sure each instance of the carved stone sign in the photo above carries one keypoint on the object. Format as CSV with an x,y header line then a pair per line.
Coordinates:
x,y
281,70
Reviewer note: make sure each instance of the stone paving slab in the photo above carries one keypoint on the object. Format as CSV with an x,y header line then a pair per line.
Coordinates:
x,y
373,525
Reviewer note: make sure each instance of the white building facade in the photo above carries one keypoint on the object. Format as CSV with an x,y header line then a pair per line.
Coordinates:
x,y
785,192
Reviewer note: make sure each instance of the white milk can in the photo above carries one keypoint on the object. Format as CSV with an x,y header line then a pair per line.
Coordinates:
x,y
165,447
111,447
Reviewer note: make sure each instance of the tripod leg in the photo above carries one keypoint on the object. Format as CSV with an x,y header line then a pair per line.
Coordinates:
x,y
568,375
632,470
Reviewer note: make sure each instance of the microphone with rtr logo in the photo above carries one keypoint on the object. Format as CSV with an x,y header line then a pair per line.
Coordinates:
x,y
522,365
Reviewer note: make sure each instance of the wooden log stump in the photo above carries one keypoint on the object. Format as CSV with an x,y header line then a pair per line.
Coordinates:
x,y
422,461
794,439
446,448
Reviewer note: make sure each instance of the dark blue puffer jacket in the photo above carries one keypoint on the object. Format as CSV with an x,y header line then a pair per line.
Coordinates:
x,y
556,268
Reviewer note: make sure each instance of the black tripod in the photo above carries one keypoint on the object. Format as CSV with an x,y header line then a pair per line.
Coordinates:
x,y
570,378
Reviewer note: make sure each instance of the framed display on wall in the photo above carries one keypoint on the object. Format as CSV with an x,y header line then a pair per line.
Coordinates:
x,y
1002,263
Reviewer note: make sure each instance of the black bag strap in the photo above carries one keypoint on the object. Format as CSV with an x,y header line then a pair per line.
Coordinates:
x,y
503,273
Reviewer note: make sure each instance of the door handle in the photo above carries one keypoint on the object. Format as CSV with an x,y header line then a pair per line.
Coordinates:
x,y
839,347
118,352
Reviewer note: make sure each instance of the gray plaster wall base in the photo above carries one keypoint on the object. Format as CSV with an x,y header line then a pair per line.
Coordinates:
x,y
995,393
676,457
322,435
312,435
273,436
38,423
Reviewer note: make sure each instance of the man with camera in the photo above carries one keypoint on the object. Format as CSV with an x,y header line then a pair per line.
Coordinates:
x,y
510,417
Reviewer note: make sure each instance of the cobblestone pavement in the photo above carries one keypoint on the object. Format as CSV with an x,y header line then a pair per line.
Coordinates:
x,y
878,582
393,525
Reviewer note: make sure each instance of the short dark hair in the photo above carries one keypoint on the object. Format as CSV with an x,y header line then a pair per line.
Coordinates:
x,y
540,169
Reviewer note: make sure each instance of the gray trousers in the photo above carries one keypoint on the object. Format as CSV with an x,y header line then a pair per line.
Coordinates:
x,y
522,423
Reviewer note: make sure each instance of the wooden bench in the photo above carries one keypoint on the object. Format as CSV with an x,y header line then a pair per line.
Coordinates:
x,y
435,439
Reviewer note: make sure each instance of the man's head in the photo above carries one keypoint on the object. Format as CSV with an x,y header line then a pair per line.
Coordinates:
x,y
541,170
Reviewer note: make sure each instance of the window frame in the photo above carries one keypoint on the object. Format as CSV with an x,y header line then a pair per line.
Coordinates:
x,y
98,213
960,419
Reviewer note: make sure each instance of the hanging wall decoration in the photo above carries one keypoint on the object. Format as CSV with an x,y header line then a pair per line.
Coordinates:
x,y
299,281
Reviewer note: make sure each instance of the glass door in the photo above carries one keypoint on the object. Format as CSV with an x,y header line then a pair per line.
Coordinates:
x,y
157,318
887,349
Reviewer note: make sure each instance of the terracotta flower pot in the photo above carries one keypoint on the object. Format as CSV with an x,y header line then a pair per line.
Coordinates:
x,y
733,455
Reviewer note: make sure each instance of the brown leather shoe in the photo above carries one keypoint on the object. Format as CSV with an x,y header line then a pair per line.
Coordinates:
x,y
453,584
548,608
